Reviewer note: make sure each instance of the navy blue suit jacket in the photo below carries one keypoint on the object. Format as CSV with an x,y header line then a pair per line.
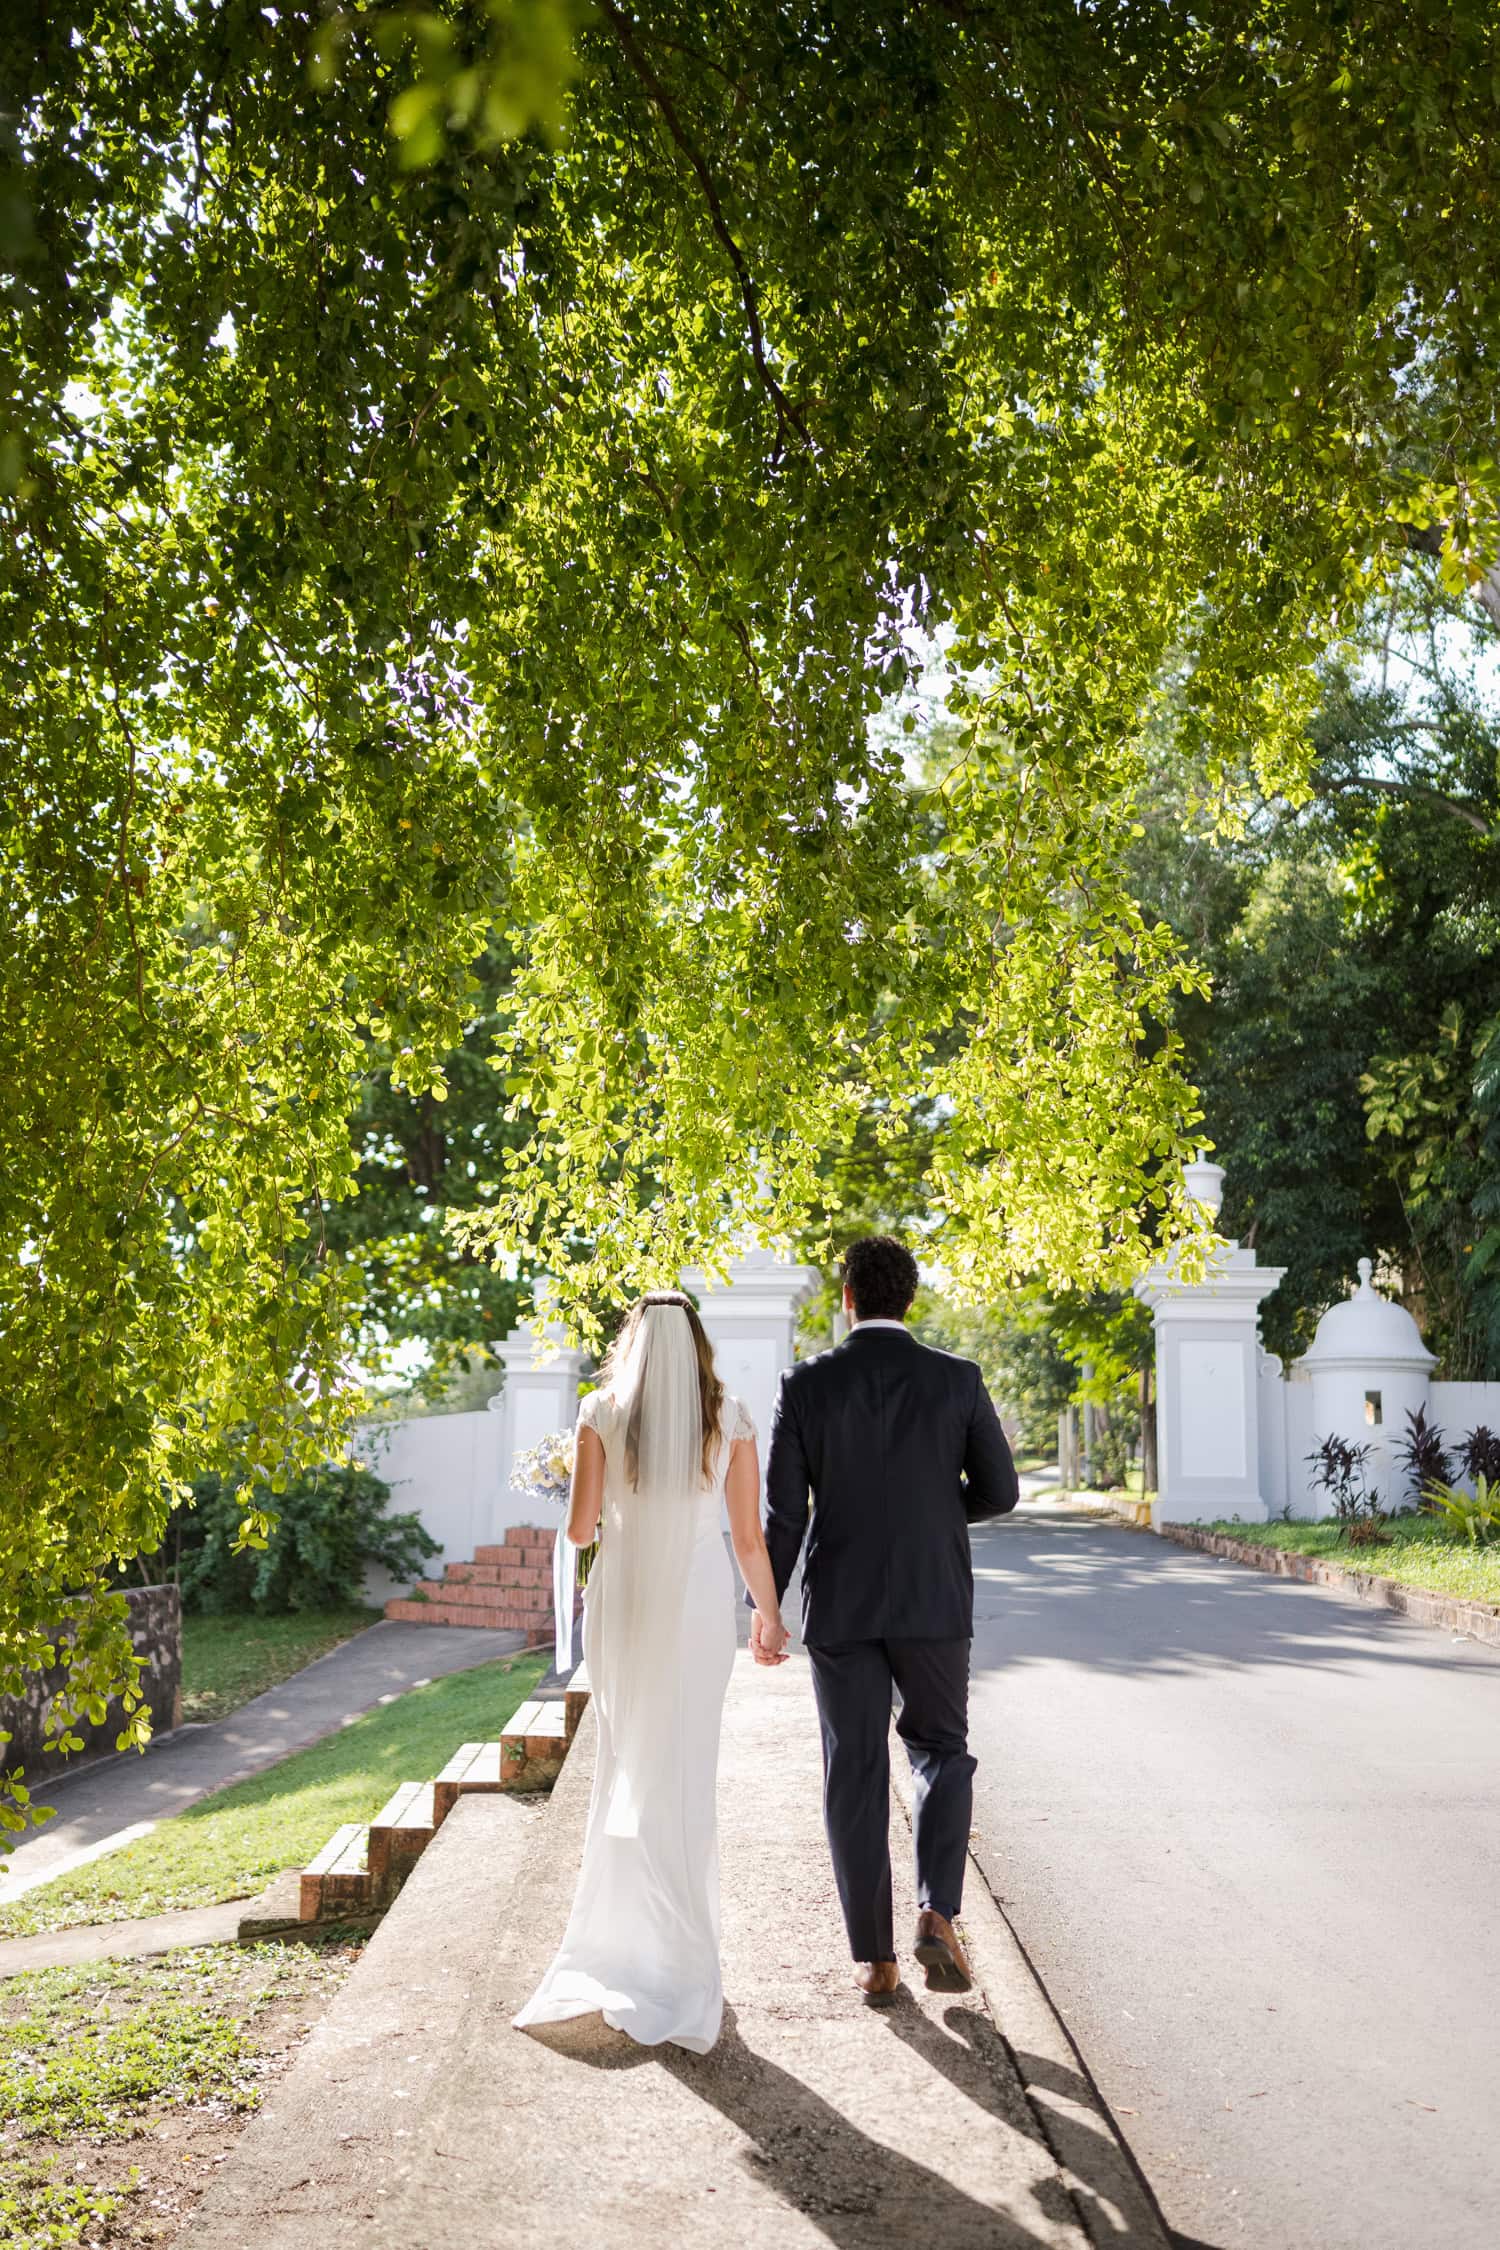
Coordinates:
x,y
882,1451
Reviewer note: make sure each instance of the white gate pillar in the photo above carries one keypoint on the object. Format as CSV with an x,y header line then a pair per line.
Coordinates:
x,y
1207,1373
540,1393
751,1321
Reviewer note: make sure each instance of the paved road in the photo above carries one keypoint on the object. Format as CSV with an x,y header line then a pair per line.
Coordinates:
x,y
111,1799
1249,1833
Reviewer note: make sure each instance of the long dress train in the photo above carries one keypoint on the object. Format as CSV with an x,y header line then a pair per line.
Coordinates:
x,y
642,1941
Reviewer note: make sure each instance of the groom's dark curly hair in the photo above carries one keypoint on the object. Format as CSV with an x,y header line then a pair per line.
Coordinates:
x,y
880,1274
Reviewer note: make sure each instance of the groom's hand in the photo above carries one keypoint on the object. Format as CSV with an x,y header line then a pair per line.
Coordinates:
x,y
767,1643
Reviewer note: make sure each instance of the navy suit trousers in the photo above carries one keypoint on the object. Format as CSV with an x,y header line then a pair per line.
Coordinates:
x,y
853,1681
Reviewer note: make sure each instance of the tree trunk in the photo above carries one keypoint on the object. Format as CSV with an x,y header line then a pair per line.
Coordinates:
x,y
1148,1428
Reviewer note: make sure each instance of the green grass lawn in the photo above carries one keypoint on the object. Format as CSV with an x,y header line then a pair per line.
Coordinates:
x,y
232,1843
228,1660
121,2082
1422,1552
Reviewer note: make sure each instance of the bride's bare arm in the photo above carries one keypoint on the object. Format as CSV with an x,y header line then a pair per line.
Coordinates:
x,y
586,1500
742,1498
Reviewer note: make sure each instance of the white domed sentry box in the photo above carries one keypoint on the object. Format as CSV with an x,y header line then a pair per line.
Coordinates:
x,y
1369,1368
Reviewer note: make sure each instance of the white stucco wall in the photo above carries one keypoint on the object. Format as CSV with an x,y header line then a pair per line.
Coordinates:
x,y
1290,1427
453,1471
1457,1408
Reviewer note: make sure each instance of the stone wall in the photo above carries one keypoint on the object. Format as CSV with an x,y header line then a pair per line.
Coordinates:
x,y
156,1630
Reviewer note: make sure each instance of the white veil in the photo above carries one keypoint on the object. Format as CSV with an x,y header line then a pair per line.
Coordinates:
x,y
655,1429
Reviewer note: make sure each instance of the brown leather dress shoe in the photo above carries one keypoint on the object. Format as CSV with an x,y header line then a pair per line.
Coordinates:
x,y
941,1955
878,1981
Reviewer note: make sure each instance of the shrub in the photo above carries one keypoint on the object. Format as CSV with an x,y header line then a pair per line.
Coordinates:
x,y
331,1524
1422,1456
1479,1454
1338,1468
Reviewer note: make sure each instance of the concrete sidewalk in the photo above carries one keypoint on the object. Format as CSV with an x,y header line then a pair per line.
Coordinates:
x,y
113,1799
416,2115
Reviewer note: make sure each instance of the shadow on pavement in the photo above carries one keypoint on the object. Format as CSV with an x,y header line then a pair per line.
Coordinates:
x,y
861,2194
1090,2155
1047,1579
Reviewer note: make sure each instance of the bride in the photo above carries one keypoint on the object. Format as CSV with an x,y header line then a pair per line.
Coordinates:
x,y
660,1445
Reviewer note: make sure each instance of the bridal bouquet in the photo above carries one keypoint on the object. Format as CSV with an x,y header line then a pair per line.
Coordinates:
x,y
545,1472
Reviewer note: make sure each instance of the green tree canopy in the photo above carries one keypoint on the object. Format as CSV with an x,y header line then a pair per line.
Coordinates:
x,y
416,522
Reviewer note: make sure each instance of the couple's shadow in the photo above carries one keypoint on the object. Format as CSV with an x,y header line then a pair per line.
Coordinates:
x,y
859,2192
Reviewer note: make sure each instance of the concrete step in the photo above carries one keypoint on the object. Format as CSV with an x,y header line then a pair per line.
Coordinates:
x,y
474,1768
339,1878
399,1834
351,2110
534,1745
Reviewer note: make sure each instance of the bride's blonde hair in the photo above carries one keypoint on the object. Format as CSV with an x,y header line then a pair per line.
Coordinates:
x,y
710,1389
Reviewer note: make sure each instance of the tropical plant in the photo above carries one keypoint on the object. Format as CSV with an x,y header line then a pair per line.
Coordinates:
x,y
1479,1454
1421,1455
1338,1468
1476,1514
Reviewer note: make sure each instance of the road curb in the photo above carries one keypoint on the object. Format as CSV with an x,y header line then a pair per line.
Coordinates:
x,y
1445,1611
1115,2205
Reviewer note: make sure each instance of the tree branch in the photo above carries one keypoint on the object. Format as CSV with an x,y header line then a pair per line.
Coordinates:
x,y
1427,539
626,32
1327,785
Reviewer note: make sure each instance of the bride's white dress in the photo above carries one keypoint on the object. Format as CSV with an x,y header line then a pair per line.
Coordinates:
x,y
642,1941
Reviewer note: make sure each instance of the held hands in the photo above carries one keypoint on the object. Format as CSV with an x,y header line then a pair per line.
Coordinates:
x,y
768,1639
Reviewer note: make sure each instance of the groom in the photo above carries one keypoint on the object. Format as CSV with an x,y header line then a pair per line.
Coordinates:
x,y
899,1447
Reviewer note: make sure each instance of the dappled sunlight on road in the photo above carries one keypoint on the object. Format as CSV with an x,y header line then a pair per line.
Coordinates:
x,y
1053,1585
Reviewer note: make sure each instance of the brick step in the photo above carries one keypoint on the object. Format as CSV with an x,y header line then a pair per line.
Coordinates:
x,y
534,1745
536,1625
399,1834
338,1880
522,1543
451,1590
474,1766
488,1574
495,1574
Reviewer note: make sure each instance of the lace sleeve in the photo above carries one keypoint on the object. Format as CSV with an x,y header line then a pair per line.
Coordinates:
x,y
588,1411
743,1424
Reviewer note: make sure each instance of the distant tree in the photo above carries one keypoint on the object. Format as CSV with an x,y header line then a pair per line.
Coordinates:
x,y
1347,1057
417,1160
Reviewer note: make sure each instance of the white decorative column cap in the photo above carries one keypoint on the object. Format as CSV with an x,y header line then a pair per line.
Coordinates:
x,y
758,1282
1205,1182
1367,1330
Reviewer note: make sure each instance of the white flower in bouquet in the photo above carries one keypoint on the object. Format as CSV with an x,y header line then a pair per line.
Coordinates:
x,y
545,1470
